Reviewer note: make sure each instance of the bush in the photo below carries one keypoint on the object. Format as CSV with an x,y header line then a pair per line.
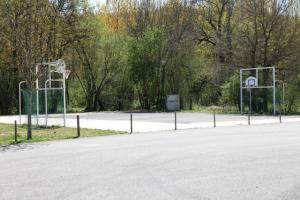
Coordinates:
x,y
230,92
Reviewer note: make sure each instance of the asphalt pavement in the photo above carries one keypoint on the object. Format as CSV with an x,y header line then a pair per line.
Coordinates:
x,y
146,122
260,162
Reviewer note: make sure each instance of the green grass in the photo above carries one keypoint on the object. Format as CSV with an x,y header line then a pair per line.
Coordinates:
x,y
217,109
46,134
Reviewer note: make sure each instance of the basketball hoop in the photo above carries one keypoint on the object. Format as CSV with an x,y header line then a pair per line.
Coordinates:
x,y
43,82
67,73
60,66
251,81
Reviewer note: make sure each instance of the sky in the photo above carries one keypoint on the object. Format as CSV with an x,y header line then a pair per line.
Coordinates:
x,y
95,2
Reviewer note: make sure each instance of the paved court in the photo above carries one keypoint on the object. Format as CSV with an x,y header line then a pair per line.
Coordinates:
x,y
260,162
145,122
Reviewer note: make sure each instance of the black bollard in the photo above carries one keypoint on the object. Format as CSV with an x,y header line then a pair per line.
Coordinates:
x,y
131,128
215,119
249,119
16,132
78,126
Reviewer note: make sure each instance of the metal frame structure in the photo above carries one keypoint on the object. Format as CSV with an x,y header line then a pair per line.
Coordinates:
x,y
283,92
60,68
273,86
251,82
20,101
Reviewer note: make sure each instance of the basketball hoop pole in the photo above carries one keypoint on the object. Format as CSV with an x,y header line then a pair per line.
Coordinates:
x,y
65,107
250,104
274,92
20,102
46,102
37,95
283,93
241,89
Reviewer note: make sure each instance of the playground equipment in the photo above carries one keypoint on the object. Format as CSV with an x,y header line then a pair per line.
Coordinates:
x,y
49,85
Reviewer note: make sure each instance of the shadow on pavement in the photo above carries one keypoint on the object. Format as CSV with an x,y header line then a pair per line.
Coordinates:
x,y
17,147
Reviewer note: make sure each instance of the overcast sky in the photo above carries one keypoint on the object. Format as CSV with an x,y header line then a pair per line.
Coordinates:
x,y
95,2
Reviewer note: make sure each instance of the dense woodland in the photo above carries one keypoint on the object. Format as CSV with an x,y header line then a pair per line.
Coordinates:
x,y
130,54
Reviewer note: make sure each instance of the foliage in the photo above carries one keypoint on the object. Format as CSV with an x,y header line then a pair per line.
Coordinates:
x,y
146,67
132,54
230,91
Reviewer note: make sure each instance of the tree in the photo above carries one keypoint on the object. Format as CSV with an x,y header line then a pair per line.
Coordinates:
x,y
30,32
101,56
267,32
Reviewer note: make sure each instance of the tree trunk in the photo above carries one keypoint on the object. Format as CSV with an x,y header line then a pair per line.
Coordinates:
x,y
29,123
29,49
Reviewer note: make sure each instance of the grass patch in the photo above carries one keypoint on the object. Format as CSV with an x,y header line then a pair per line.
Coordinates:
x,y
46,134
211,109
